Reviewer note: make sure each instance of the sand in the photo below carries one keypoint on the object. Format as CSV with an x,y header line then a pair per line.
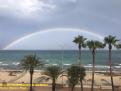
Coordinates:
x,y
102,81
24,77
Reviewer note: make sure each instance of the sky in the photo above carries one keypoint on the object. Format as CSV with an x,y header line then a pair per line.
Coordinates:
x,y
21,22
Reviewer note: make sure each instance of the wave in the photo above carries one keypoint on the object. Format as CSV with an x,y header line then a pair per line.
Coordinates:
x,y
5,64
54,64
98,66
119,64
104,67
118,67
16,63
1,62
67,64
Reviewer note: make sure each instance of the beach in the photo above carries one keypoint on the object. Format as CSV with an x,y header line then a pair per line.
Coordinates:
x,y
14,77
102,80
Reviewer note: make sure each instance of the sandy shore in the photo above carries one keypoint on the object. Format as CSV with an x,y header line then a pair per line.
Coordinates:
x,y
23,77
102,81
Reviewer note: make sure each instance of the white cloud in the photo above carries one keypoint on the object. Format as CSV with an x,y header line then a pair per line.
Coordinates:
x,y
25,7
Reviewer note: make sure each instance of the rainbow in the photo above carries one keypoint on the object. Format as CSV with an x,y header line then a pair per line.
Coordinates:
x,y
100,37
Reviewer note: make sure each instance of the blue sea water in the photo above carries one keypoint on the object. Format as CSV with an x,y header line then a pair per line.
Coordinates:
x,y
11,59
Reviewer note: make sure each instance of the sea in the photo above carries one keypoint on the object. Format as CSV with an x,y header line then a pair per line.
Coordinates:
x,y
11,59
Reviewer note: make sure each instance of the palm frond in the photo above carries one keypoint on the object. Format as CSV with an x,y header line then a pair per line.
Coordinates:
x,y
30,61
80,40
118,46
110,40
94,44
53,72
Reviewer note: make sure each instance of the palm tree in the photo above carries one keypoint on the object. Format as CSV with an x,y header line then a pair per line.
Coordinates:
x,y
73,76
118,46
111,41
80,41
53,72
29,63
93,45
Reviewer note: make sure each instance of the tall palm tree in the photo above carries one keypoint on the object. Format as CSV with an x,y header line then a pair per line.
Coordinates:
x,y
80,41
93,45
29,63
53,72
73,76
111,41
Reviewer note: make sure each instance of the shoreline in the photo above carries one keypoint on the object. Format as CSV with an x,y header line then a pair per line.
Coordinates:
x,y
89,71
88,67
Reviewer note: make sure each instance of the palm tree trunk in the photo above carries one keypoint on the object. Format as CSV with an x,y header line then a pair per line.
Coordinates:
x,y
53,85
93,70
81,85
110,64
80,64
80,54
72,88
31,78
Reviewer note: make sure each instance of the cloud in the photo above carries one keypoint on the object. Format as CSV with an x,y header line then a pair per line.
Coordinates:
x,y
22,17
25,7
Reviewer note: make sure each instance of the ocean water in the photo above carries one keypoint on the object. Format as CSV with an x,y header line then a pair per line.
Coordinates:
x,y
11,59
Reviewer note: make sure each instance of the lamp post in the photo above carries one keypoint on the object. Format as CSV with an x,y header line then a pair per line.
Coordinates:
x,y
62,65
62,52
